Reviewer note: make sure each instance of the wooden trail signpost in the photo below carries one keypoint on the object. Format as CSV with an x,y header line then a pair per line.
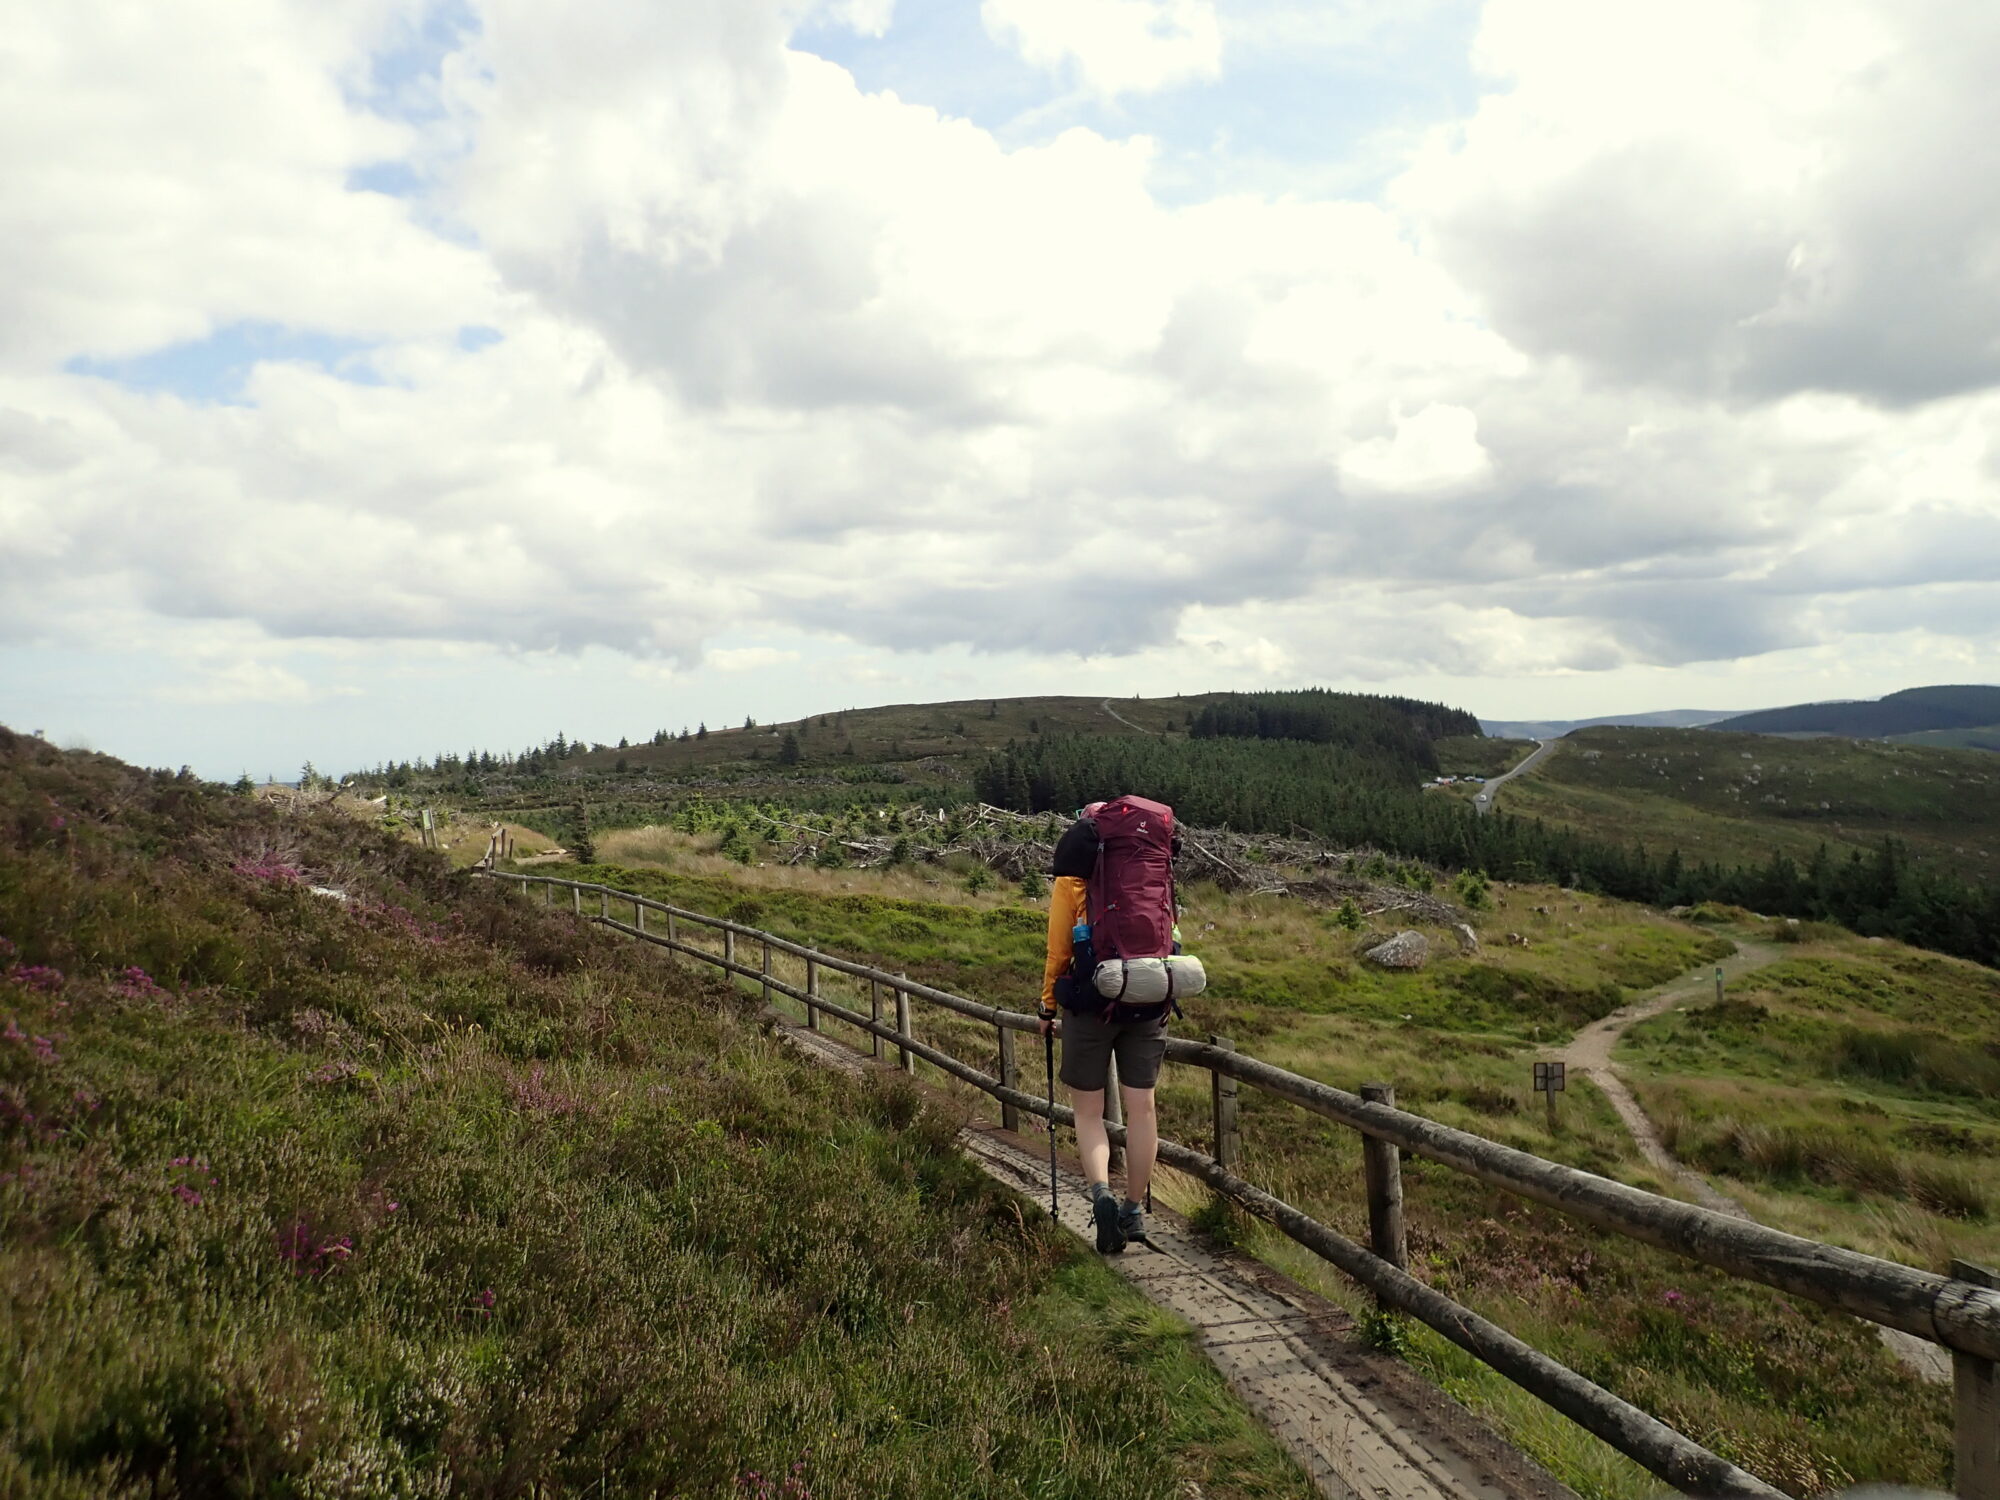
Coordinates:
x,y
1550,1080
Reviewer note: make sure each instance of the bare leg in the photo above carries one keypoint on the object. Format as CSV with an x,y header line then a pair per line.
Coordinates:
x,y
1092,1144
1142,1140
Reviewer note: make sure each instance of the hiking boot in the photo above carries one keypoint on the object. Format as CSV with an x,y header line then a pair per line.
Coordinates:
x,y
1132,1223
1110,1237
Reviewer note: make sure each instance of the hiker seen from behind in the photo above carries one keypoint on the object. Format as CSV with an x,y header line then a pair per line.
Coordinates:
x,y
1114,975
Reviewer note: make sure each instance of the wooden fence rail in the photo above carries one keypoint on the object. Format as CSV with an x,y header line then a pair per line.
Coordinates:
x,y
1961,1312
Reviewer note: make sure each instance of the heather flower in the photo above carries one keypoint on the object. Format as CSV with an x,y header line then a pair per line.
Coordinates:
x,y
137,983
1675,1299
484,1303
192,1175
307,1254
536,1097
36,977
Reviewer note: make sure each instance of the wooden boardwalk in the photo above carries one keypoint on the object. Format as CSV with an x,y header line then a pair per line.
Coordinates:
x,y
1362,1424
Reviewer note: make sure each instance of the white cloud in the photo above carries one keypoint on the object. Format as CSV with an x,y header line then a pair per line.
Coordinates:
x,y
748,658
1114,46
1434,452
781,359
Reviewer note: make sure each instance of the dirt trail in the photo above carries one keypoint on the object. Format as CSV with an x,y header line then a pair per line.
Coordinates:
x,y
1362,1424
1106,706
1589,1053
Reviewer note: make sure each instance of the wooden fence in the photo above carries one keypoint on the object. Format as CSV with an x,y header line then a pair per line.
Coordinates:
x,y
1960,1311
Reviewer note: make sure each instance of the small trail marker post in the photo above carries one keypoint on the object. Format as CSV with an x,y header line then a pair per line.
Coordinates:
x,y
1718,984
1550,1081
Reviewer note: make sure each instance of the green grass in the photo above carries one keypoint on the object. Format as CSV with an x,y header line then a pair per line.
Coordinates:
x,y
425,1191
1738,798
1850,1092
900,732
1804,1398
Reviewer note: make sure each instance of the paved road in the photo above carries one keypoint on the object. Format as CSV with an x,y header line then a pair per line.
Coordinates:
x,y
1484,800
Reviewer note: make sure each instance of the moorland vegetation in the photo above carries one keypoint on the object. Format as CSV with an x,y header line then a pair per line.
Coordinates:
x,y
1807,1399
325,1171
1354,780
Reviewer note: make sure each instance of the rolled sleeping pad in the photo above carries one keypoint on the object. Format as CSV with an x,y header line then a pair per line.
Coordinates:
x,y
1150,981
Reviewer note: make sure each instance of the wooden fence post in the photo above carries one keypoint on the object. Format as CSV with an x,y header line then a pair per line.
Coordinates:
x,y
604,906
729,945
905,1059
1382,1167
673,933
576,899
1222,1099
767,971
1976,1407
1010,1114
875,1015
812,989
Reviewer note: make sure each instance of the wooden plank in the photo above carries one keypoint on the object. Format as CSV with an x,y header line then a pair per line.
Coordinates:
x,y
875,1014
812,989
905,1056
1975,1406
1382,1168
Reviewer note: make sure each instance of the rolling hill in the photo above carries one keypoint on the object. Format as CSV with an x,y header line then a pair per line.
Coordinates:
x,y
1740,798
1913,711
1549,729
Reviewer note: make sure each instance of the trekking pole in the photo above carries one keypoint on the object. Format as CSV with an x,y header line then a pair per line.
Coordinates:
x,y
1049,1055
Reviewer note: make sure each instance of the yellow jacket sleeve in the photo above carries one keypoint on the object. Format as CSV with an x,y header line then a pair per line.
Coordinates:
x,y
1066,908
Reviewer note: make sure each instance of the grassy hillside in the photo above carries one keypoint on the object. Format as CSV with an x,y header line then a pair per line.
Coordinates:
x,y
1805,1398
1979,737
326,1172
1908,712
1736,798
905,732
1852,1090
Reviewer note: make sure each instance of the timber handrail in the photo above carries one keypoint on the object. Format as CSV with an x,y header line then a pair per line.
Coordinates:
x,y
1957,1312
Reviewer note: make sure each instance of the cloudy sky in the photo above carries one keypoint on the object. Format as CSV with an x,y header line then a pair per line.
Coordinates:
x,y
381,376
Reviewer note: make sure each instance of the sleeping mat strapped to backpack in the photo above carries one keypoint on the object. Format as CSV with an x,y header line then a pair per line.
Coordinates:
x,y
1132,907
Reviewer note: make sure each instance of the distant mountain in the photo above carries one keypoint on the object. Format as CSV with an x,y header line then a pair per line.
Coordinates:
x,y
1912,711
1550,729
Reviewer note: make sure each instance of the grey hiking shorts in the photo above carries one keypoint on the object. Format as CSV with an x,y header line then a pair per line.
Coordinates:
x,y
1089,1042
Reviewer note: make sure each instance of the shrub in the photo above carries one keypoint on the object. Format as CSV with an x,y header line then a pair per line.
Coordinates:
x,y
1918,1060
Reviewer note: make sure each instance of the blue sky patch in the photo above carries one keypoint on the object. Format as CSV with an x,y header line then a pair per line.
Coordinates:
x,y
397,179
474,337
403,77
214,369
1327,119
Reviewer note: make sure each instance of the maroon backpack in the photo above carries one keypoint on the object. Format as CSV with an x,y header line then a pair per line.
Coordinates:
x,y
1132,887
